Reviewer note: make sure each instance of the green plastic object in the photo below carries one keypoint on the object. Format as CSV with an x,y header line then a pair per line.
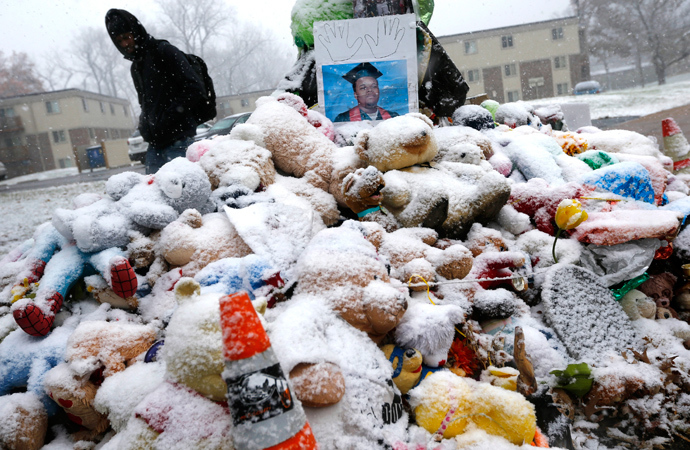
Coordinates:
x,y
575,379
426,10
306,12
629,286
597,159
491,106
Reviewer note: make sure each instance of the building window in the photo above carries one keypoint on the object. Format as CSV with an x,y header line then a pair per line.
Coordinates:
x,y
7,112
85,104
59,136
112,109
510,70
65,162
557,33
52,107
102,107
559,62
92,133
244,102
507,41
562,88
470,47
124,109
115,133
473,75
513,96
13,141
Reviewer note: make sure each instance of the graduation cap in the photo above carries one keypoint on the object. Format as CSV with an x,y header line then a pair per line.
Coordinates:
x,y
364,69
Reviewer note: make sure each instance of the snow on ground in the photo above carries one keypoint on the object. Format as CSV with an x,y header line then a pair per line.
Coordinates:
x,y
630,102
24,211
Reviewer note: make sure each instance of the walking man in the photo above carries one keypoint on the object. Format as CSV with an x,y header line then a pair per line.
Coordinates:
x,y
170,91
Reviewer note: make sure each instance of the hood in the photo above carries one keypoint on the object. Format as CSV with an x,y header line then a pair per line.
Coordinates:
x,y
119,21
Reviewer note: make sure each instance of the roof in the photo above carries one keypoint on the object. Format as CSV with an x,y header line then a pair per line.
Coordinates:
x,y
65,93
523,26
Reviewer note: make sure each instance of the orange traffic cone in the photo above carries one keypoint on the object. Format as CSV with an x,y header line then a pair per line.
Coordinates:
x,y
264,412
675,145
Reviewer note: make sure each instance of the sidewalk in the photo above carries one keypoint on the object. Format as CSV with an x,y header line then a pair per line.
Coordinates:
x,y
650,125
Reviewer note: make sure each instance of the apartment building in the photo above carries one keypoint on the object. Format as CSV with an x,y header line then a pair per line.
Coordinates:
x,y
233,104
521,62
39,131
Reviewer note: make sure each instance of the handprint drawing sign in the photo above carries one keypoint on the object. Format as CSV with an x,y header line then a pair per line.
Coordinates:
x,y
389,34
336,41
366,69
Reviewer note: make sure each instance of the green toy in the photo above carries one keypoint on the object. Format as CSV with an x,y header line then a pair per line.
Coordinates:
x,y
306,12
597,159
576,379
491,106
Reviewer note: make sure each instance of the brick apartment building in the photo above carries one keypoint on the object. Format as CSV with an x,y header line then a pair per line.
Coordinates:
x,y
521,62
39,131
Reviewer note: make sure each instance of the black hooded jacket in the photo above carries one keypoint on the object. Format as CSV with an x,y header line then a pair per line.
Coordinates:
x,y
169,89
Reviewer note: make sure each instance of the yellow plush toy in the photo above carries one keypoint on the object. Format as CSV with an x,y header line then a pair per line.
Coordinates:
x,y
406,373
449,405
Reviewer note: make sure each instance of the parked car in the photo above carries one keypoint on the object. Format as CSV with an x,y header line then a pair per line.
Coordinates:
x,y
137,147
202,128
224,126
587,87
3,171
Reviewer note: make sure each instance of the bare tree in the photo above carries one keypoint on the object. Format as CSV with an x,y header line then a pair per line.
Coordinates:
x,y
18,75
196,22
241,57
657,30
665,27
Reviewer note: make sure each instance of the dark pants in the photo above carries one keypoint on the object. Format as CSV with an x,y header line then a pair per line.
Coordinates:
x,y
155,158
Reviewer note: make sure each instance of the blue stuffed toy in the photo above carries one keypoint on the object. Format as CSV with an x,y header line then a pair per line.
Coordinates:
x,y
252,273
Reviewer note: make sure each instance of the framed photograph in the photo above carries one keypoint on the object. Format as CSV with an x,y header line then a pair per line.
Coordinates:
x,y
366,68
365,91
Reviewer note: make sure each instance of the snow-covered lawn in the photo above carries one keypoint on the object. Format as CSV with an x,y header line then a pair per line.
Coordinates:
x,y
630,102
23,211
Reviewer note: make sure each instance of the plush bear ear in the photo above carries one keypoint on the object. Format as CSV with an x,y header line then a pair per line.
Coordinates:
x,y
349,181
361,145
423,118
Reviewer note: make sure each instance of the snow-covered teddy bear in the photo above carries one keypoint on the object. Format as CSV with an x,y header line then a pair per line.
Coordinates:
x,y
418,251
193,241
96,350
325,337
298,148
448,196
185,410
135,202
241,170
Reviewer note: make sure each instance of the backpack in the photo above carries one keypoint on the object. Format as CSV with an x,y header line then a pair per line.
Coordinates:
x,y
207,111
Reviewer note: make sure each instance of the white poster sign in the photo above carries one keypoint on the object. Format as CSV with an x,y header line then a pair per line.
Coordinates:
x,y
367,68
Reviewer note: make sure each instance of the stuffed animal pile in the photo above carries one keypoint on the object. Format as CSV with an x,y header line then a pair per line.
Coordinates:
x,y
494,283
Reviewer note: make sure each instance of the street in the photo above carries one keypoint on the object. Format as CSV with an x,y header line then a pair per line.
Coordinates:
x,y
86,176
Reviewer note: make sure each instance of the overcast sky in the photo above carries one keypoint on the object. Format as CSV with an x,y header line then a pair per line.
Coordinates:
x,y
38,27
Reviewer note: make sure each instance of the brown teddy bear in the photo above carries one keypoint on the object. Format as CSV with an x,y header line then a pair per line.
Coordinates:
x,y
326,338
660,288
95,350
298,148
193,241
446,196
